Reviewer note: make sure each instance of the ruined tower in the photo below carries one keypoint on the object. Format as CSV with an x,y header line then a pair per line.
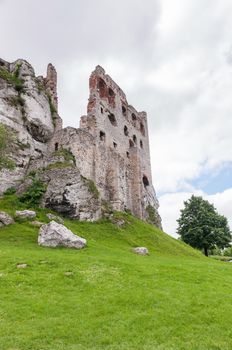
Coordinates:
x,y
111,147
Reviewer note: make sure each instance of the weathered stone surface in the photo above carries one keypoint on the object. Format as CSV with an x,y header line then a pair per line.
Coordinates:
x,y
69,194
56,218
27,112
141,250
5,219
25,214
56,235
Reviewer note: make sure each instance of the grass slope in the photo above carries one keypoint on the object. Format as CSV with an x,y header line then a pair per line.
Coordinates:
x,y
173,299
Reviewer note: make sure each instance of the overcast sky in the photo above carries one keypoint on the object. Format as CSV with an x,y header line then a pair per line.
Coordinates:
x,y
172,58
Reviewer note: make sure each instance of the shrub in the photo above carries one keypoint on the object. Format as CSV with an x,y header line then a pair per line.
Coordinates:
x,y
152,215
12,78
10,191
228,252
67,154
6,137
34,193
91,187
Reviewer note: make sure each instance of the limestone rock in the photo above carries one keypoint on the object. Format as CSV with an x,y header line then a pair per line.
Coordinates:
x,y
56,218
56,235
5,219
25,214
141,250
69,193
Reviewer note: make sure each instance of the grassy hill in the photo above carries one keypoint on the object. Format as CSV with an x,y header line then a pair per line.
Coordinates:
x,y
105,296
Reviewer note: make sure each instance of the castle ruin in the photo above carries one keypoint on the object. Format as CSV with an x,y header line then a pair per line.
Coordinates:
x,y
111,146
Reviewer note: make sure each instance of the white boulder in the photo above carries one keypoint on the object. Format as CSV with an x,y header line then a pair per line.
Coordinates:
x,y
57,235
25,214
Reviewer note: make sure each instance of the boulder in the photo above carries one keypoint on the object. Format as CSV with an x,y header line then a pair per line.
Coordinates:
x,y
25,214
141,250
5,219
57,235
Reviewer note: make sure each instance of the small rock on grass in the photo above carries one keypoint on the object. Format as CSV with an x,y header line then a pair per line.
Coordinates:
x,y
141,250
21,266
5,219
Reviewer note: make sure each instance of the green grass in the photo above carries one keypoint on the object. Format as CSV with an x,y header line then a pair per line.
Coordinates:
x,y
173,299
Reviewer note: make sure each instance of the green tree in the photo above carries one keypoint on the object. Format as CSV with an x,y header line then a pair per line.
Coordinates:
x,y
202,227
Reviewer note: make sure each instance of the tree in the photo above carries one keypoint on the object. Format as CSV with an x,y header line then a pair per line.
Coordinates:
x,y
202,227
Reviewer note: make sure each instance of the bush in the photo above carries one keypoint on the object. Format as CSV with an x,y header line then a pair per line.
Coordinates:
x,y
5,139
34,193
67,154
91,187
10,191
228,252
152,215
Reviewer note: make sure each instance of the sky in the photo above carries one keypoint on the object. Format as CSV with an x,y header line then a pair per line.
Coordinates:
x,y
172,58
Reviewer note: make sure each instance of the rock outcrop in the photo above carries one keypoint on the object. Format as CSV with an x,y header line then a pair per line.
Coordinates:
x,y
57,235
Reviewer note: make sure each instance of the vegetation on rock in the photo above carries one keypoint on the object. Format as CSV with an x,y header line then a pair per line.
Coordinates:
x,y
91,187
67,154
32,196
153,217
6,138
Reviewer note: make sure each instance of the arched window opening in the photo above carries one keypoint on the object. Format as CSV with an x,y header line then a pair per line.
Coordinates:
x,y
124,110
133,116
56,146
102,136
145,181
102,88
142,129
115,144
126,130
111,93
101,110
135,139
128,154
131,143
111,97
112,119
141,144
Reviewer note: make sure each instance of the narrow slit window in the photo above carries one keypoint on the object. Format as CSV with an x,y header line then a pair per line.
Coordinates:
x,y
126,130
145,181
112,119
102,136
